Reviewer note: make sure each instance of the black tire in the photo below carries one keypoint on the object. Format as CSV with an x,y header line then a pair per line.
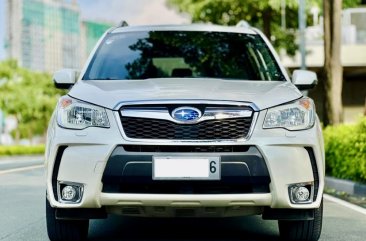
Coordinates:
x,y
302,230
65,230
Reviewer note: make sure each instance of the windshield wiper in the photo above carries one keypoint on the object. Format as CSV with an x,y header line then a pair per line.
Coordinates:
x,y
108,78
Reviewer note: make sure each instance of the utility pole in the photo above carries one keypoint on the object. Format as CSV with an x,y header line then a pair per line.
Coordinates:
x,y
302,25
283,14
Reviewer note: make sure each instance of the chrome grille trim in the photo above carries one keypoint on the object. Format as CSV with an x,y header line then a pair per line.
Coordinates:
x,y
211,113
121,104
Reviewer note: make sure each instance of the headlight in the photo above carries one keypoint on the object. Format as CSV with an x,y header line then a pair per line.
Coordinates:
x,y
298,115
75,114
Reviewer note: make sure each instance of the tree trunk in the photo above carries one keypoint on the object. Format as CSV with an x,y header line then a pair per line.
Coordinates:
x,y
333,70
267,18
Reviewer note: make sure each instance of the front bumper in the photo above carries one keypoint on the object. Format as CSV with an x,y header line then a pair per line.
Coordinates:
x,y
86,154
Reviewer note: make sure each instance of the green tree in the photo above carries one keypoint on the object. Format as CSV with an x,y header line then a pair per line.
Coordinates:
x,y
333,70
29,96
265,15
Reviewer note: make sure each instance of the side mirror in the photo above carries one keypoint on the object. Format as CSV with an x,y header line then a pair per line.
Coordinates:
x,y
304,79
65,78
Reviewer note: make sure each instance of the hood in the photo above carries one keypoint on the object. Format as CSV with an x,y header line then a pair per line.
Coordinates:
x,y
111,93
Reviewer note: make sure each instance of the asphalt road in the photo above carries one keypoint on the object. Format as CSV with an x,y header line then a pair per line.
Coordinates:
x,y
22,217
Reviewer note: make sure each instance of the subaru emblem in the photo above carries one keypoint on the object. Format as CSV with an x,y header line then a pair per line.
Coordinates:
x,y
186,114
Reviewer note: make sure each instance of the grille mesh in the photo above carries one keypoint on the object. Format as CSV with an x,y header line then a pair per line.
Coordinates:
x,y
225,129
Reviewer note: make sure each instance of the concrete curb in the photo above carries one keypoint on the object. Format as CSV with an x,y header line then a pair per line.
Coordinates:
x,y
347,186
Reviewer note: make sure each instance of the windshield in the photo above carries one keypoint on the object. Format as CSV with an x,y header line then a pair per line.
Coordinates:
x,y
183,54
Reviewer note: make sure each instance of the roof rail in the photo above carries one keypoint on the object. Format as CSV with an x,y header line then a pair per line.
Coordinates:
x,y
123,23
243,24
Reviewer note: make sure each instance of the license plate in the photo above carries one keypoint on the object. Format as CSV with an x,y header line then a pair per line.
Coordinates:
x,y
186,168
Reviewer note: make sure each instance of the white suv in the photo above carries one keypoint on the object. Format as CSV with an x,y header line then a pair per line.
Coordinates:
x,y
184,121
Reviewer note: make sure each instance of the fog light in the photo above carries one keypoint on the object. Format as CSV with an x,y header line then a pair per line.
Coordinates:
x,y
70,192
300,193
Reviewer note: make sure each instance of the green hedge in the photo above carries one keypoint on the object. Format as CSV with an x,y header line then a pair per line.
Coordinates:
x,y
345,151
21,150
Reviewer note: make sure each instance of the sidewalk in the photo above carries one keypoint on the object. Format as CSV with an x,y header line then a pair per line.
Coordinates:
x,y
21,158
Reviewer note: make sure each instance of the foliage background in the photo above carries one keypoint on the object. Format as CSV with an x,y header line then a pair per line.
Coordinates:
x,y
29,96
265,15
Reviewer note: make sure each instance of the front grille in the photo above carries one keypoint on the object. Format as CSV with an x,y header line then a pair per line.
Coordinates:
x,y
225,129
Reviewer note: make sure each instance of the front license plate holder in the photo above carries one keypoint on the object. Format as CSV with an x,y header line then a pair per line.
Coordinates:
x,y
186,168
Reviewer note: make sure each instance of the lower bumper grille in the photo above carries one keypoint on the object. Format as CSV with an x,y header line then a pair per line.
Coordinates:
x,y
225,186
185,149
242,172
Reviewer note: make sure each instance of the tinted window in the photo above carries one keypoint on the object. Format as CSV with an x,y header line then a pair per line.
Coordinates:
x,y
166,54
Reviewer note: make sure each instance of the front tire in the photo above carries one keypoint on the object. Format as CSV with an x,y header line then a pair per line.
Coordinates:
x,y
302,230
65,230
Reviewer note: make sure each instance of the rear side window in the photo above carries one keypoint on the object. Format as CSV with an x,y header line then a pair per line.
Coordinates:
x,y
182,54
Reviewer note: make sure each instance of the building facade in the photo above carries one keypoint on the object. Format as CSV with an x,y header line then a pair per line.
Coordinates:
x,y
47,35
90,34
